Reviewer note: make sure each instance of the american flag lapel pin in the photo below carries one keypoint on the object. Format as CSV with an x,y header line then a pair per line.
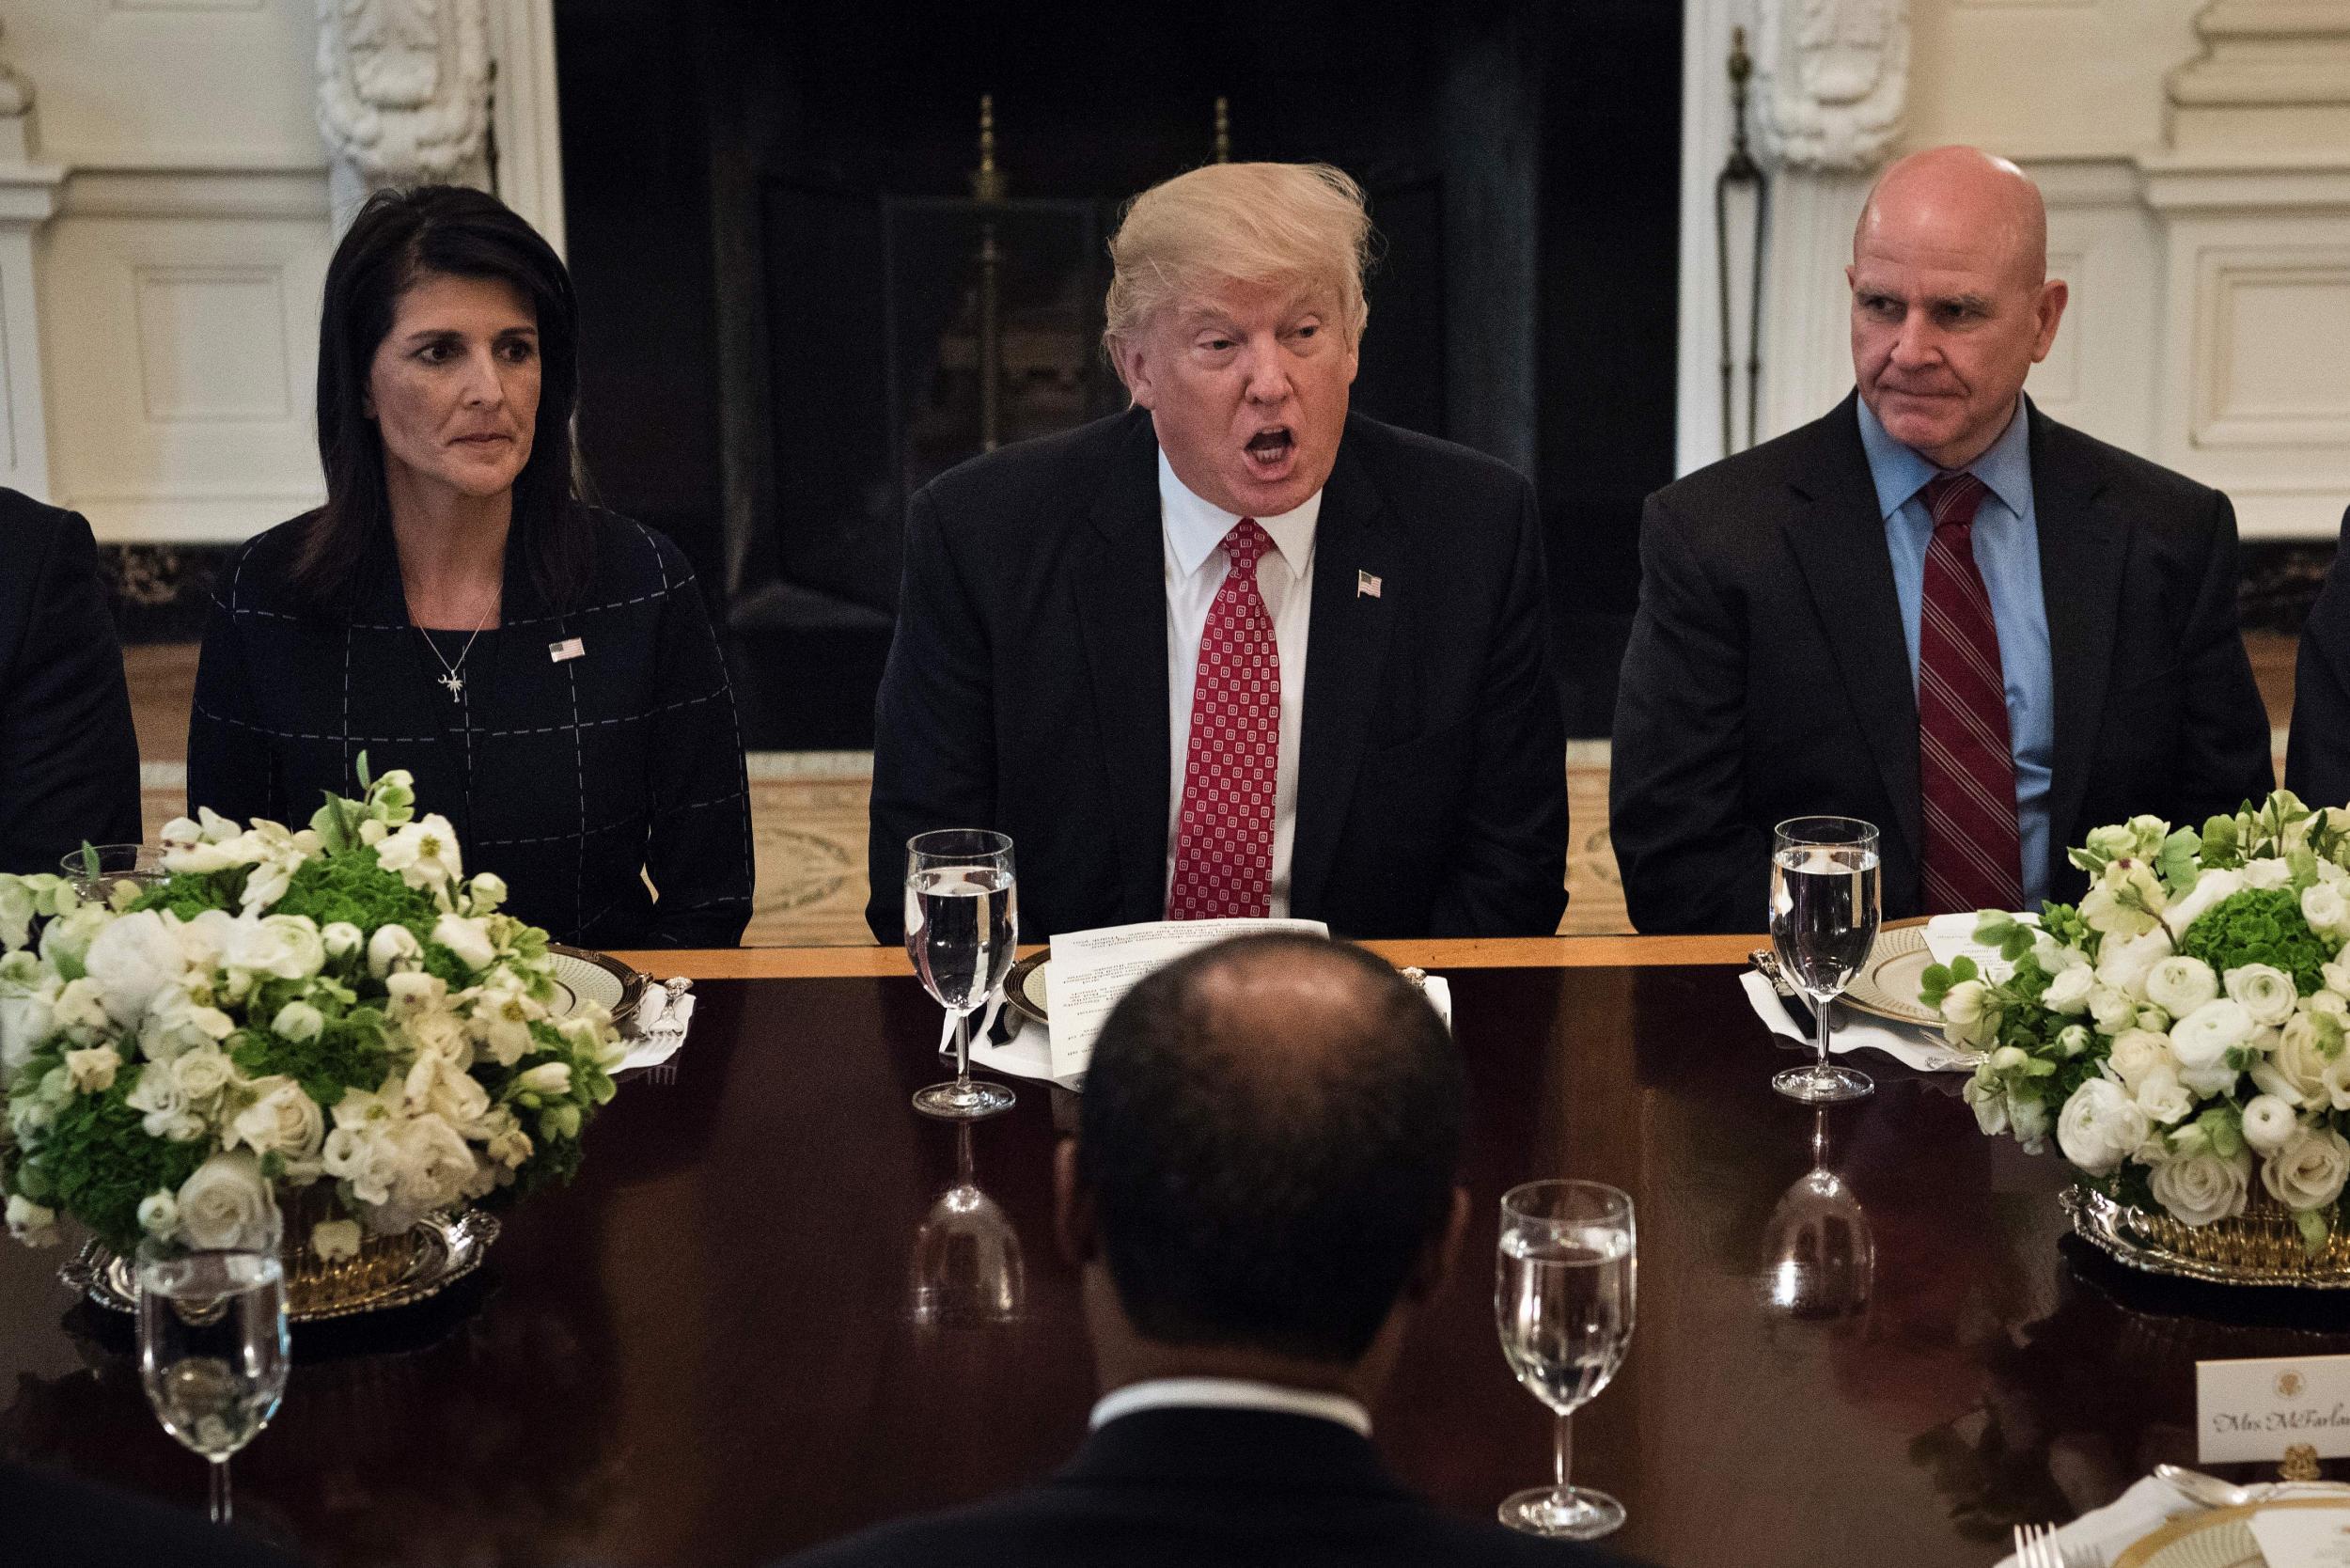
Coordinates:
x,y
1365,585
570,648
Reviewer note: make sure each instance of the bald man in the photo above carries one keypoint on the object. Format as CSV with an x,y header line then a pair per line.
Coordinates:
x,y
1935,609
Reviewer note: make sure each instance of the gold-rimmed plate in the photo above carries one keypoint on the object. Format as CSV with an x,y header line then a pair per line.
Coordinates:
x,y
582,976
2216,1537
1024,988
1888,982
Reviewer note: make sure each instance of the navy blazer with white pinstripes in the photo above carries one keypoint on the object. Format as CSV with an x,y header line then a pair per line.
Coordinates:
x,y
568,779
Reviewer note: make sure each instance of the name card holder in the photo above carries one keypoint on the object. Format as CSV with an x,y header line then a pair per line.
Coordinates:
x,y
2291,1411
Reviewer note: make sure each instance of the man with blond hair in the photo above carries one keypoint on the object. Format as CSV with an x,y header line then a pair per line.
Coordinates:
x,y
1235,652
1935,609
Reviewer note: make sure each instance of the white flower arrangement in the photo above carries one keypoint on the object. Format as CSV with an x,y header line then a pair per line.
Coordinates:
x,y
338,1004
2180,1032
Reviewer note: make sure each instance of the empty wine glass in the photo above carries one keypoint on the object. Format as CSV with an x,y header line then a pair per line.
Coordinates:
x,y
212,1346
1563,1297
1818,1255
966,1268
1824,906
962,920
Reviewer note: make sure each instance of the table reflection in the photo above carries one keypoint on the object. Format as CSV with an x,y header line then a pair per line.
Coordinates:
x,y
965,1268
1818,1255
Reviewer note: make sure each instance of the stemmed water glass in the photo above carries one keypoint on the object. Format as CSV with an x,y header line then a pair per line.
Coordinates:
x,y
1563,1297
962,920
1824,906
212,1345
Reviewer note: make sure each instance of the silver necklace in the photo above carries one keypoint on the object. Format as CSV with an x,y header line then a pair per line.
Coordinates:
x,y
450,678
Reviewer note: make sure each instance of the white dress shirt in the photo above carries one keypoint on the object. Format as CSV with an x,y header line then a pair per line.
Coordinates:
x,y
1191,534
1228,1393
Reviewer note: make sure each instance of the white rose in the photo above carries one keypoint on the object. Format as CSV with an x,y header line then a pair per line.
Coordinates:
x,y
341,938
2265,991
226,1204
203,1073
2135,1054
2203,1187
298,1021
2327,911
2209,889
2269,1124
34,1223
2122,962
548,1077
468,939
2099,1127
2307,1173
93,1069
287,946
2203,1038
134,957
335,1238
2336,1080
282,1119
2295,1071
2179,984
2266,873
2069,992
2113,1008
2162,1098
392,948
159,1213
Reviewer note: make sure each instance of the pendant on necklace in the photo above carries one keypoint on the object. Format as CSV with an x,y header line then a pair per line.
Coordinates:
x,y
456,684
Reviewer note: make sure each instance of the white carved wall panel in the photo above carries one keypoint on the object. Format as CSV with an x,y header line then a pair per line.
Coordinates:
x,y
2099,375
2272,337
212,343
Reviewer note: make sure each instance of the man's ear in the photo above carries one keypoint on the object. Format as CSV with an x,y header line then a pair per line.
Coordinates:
x,y
1443,1251
1072,1210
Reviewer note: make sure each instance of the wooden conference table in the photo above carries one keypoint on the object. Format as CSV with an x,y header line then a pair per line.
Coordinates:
x,y
705,1353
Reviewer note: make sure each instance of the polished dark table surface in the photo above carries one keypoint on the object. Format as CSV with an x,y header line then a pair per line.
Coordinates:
x,y
704,1352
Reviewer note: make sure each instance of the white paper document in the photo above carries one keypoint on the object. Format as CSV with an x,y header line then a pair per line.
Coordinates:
x,y
1950,936
1091,969
2304,1536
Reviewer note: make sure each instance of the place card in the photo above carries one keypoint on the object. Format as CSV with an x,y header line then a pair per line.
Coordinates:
x,y
2303,1537
2256,1410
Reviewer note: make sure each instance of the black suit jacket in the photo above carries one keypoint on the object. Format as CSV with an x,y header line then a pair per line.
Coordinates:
x,y
68,757
1027,690
1767,675
50,1517
1191,1488
2318,759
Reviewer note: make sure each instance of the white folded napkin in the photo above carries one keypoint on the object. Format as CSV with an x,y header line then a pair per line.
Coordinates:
x,y
2144,1509
1910,1044
657,1033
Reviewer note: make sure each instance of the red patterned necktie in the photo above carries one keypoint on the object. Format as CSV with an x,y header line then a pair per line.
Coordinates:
x,y
1224,843
1966,765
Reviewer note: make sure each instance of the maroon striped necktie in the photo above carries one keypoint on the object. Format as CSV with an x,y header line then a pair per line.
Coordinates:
x,y
1965,765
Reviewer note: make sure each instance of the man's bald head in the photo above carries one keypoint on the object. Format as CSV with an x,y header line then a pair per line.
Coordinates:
x,y
1269,1137
1952,301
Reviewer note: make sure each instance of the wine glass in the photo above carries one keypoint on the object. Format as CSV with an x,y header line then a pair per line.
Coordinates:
x,y
1818,1255
212,1346
966,1269
1563,1294
1825,905
97,870
962,918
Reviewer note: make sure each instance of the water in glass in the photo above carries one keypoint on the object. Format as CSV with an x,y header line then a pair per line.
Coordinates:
x,y
1823,913
960,922
1566,1311
213,1349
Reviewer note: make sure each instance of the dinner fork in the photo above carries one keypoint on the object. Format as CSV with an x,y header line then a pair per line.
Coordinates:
x,y
2036,1547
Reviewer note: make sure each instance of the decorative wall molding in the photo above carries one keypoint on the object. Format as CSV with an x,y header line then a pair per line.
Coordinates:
x,y
2274,73
28,197
1832,79
403,93
529,172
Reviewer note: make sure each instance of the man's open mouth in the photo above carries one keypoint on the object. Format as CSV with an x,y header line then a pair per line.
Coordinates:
x,y
1270,449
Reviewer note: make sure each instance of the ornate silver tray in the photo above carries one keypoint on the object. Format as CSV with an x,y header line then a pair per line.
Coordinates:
x,y
2260,1248
446,1248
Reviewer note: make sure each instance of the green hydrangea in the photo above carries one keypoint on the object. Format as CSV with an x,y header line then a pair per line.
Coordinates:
x,y
97,1161
2259,925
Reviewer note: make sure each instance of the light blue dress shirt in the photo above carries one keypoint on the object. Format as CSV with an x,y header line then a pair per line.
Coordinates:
x,y
2007,553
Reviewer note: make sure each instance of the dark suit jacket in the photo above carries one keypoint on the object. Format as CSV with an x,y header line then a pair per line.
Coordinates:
x,y
1189,1488
51,1517
2318,759
1027,690
68,757
1767,675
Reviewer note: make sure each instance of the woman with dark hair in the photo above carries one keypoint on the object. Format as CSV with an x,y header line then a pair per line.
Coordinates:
x,y
544,668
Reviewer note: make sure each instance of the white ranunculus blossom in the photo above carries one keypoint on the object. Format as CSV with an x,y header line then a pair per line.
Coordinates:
x,y
227,1204
2209,889
2069,992
2327,911
2099,1127
34,1223
134,957
424,853
2136,1053
282,1119
392,948
335,1238
2122,962
2162,1098
2266,873
2203,1187
469,939
93,1069
2180,984
159,1213
2203,1038
2308,1172
2114,1009
2269,1124
298,1021
2265,991
342,938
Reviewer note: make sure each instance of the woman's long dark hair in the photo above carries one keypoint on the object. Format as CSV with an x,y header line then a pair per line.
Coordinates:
x,y
399,237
